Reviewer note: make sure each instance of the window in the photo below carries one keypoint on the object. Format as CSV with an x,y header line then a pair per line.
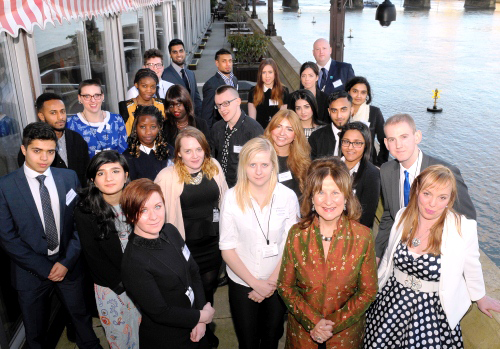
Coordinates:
x,y
133,44
161,38
174,20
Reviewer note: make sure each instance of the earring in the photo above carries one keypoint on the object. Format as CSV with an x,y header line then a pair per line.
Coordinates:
x,y
313,208
345,207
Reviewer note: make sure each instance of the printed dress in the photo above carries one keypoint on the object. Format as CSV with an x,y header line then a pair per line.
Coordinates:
x,y
118,314
403,318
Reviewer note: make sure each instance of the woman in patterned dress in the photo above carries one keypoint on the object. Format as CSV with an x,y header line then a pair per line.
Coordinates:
x,y
328,276
104,235
430,271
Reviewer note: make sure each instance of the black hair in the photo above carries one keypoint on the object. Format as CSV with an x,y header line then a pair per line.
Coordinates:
x,y
221,89
134,144
92,201
145,73
152,53
89,82
174,42
44,97
177,94
365,132
38,131
222,51
309,97
337,95
360,80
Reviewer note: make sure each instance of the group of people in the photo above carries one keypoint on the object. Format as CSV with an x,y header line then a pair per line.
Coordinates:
x,y
156,198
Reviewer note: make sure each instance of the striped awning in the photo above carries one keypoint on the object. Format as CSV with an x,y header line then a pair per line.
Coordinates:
x,y
25,14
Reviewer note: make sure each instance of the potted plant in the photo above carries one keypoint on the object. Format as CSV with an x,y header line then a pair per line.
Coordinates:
x,y
248,52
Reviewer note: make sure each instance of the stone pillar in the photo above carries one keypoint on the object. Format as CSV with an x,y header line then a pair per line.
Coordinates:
x,y
271,29
480,4
419,4
294,4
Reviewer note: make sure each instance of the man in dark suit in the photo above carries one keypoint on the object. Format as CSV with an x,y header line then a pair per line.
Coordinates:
x,y
72,150
325,141
402,139
178,73
37,233
224,76
333,75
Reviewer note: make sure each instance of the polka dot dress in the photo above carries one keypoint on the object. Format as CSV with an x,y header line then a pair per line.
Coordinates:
x,y
402,318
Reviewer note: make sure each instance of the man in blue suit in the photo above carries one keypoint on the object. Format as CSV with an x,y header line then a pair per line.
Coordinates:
x,y
333,75
177,73
37,233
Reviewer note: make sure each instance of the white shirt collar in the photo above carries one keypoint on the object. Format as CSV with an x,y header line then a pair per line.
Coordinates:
x,y
145,149
327,65
33,174
95,124
354,169
266,88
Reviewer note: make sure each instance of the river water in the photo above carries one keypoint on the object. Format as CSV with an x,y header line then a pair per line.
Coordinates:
x,y
447,47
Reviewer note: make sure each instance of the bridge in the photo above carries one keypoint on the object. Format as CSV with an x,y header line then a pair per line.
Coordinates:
x,y
415,4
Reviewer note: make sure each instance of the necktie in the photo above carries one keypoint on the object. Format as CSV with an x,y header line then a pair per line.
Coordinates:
x,y
324,74
48,215
184,78
157,93
406,187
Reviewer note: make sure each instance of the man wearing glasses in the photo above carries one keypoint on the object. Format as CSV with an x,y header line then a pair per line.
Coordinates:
x,y
325,141
153,59
230,134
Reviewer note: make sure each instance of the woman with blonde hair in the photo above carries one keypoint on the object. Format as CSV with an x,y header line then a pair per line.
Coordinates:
x,y
269,95
286,135
194,188
431,264
328,276
256,215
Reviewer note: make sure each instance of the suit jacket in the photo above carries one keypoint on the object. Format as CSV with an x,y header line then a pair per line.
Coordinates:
x,y
22,235
209,113
156,276
389,176
338,71
322,142
171,75
377,122
367,186
78,155
461,275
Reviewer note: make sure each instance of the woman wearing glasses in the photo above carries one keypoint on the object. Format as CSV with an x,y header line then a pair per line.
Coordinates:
x,y
100,129
180,114
355,145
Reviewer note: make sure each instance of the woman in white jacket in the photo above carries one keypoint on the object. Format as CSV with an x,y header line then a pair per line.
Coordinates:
x,y
430,272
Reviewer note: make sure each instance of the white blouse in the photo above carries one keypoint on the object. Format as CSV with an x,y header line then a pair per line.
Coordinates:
x,y
241,230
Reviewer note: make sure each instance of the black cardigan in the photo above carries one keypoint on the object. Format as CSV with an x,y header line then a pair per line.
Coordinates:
x,y
146,165
367,185
322,101
104,257
377,122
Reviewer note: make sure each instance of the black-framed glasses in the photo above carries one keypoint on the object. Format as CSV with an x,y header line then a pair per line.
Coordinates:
x,y
224,104
97,97
346,143
154,65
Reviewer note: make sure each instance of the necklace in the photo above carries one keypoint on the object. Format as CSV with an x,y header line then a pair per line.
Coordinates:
x,y
417,241
324,238
196,179
85,117
183,125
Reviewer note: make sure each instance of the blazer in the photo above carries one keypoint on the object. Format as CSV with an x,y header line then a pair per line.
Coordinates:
x,y
171,75
172,188
367,186
78,155
208,111
322,142
377,123
322,101
338,71
461,278
104,257
22,235
156,276
389,177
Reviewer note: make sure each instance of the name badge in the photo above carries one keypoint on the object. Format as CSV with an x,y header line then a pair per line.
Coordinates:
x,y
185,252
216,215
337,83
237,149
284,176
70,196
273,102
270,250
280,211
190,294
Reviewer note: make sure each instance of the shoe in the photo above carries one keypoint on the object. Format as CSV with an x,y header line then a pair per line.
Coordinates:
x,y
70,332
222,281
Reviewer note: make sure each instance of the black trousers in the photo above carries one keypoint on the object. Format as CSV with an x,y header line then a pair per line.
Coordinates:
x,y
257,325
35,309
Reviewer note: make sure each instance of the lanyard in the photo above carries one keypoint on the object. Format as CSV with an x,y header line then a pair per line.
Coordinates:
x,y
268,220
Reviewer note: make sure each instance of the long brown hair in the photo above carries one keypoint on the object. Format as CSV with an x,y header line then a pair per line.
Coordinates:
x,y
208,168
433,176
318,171
299,157
277,89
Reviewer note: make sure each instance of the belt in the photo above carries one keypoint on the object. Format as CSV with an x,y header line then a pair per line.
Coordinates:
x,y
415,283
